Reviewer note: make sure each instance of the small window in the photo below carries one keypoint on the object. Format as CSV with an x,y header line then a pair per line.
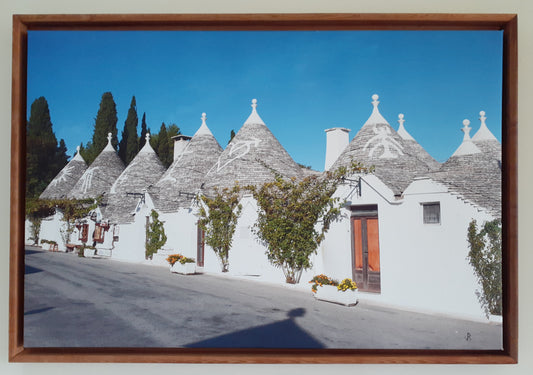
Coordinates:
x,y
431,213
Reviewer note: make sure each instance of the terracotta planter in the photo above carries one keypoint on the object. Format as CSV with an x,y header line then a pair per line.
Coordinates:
x,y
183,269
330,293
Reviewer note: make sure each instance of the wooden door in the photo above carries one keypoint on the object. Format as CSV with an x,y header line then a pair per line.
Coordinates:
x,y
366,267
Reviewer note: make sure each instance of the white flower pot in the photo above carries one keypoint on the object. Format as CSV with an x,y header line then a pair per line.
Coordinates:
x,y
330,293
89,253
495,319
184,269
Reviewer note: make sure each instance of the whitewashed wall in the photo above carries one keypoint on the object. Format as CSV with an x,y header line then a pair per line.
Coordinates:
x,y
423,266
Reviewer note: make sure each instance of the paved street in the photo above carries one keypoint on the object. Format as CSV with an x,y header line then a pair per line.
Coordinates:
x,y
81,302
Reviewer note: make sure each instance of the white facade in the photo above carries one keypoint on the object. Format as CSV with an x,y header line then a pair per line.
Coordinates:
x,y
423,267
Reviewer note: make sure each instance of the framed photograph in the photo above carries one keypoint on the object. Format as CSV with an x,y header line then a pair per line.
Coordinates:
x,y
264,188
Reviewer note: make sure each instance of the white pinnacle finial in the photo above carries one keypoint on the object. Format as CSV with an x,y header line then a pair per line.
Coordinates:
x,y
78,155
467,147
375,101
109,146
466,129
401,130
375,118
254,116
147,148
483,134
204,117
482,118
400,119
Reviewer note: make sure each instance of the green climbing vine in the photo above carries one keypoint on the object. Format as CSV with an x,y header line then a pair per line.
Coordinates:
x,y
155,235
218,219
485,256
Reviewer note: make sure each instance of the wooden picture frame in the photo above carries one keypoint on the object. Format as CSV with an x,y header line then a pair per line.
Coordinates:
x,y
506,22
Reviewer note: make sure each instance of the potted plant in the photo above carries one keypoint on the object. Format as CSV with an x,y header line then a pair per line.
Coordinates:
x,y
330,290
88,251
181,264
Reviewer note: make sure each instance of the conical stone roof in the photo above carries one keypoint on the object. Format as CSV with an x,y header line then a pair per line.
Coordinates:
x,y
474,174
414,148
65,180
486,141
378,144
142,172
100,175
249,155
183,179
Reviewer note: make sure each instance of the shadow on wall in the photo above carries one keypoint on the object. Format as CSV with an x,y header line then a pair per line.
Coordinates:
x,y
283,334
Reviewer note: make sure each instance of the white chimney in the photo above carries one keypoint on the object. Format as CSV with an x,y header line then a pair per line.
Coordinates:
x,y
180,142
336,141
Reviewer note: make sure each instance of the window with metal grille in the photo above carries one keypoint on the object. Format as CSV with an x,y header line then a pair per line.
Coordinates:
x,y
431,213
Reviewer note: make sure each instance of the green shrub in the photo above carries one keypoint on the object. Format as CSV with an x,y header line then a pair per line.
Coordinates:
x,y
485,256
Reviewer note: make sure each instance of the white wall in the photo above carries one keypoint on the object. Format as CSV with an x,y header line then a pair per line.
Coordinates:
x,y
423,266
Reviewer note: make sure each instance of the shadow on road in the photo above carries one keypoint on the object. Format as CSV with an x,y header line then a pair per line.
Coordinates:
x,y
283,334
37,311
29,270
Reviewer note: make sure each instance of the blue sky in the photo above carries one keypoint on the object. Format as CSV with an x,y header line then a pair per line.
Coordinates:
x,y
305,82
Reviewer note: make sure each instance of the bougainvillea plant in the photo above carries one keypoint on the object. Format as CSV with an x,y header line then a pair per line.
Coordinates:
x,y
294,215
218,217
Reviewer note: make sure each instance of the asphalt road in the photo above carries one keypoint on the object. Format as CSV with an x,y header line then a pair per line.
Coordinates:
x,y
81,302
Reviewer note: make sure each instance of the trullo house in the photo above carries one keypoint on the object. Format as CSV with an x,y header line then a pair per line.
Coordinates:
x,y
403,232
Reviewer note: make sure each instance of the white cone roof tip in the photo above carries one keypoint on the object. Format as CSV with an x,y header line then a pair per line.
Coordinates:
x,y
147,147
78,155
203,129
109,147
375,117
483,134
401,130
467,147
254,116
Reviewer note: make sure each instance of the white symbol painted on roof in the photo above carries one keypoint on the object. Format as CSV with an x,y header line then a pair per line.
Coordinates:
x,y
238,150
87,179
383,140
62,177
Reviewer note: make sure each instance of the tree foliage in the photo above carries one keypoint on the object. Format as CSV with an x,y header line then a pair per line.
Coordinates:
x,y
218,219
71,209
294,216
105,122
44,157
485,256
155,235
231,135
144,130
128,146
163,149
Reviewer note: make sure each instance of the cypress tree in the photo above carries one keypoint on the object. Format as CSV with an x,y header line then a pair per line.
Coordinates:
x,y
43,155
105,122
144,130
61,158
129,143
231,135
163,151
